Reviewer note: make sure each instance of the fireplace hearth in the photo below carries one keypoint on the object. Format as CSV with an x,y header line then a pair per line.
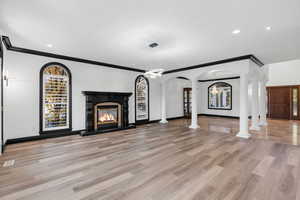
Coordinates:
x,y
106,111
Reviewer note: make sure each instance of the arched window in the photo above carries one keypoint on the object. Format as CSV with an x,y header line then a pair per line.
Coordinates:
x,y
220,96
141,100
55,98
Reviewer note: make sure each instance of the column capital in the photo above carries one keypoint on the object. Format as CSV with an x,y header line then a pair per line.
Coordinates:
x,y
194,80
244,74
163,81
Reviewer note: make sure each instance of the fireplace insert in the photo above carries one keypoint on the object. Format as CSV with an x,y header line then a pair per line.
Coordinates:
x,y
107,116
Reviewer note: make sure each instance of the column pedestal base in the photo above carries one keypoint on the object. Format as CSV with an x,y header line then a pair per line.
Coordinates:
x,y
243,135
263,123
255,128
163,121
194,126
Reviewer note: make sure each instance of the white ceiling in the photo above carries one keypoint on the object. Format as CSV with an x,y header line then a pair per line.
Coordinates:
x,y
189,32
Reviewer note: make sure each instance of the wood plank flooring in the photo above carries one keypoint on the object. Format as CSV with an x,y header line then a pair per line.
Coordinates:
x,y
158,162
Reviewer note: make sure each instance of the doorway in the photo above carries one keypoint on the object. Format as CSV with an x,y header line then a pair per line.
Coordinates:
x,y
283,102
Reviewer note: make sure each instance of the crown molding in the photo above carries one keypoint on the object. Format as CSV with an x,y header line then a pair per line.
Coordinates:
x,y
209,80
245,57
183,78
219,79
10,47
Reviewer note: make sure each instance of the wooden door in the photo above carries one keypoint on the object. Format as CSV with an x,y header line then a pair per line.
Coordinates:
x,y
279,102
283,102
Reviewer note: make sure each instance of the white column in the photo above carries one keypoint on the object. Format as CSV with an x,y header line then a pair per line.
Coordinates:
x,y
262,103
163,103
244,133
254,105
194,121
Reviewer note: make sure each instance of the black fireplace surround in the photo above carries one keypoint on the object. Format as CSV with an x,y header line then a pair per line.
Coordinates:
x,y
95,98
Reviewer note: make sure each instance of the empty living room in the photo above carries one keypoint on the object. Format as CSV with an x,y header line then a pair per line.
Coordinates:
x,y
150,100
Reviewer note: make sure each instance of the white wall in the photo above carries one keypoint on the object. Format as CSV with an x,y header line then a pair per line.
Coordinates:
x,y
284,73
22,94
155,99
174,97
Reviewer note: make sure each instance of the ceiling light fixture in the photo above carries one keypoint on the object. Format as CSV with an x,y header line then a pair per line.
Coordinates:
x,y
154,73
49,45
215,90
268,28
236,31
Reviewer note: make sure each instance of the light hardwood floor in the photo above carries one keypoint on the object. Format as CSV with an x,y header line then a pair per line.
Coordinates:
x,y
159,162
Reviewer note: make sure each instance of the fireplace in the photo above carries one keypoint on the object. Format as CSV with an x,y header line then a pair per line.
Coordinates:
x,y
107,115
106,111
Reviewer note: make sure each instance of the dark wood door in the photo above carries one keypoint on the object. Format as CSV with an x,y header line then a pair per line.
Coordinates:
x,y
279,102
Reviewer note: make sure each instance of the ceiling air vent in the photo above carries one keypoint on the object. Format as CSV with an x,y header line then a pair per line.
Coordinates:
x,y
153,45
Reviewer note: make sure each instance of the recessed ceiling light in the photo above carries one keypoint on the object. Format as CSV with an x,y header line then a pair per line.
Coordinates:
x,y
268,28
236,31
49,45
